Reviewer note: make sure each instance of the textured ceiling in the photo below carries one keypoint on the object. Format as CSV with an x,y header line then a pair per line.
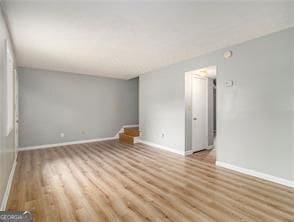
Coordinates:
x,y
125,39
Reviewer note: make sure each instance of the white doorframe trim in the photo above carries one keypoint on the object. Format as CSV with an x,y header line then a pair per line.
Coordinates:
x,y
188,105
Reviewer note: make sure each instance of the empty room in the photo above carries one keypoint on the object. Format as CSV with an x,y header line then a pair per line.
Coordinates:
x,y
146,111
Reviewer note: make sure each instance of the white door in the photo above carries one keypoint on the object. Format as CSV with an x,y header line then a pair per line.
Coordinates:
x,y
199,113
16,109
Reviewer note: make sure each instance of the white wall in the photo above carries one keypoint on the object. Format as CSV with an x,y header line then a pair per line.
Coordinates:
x,y
7,151
254,116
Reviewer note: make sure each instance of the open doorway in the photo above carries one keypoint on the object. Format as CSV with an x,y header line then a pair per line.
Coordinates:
x,y
201,112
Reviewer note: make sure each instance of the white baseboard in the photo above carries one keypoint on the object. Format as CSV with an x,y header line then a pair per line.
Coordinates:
x,y
136,140
45,146
130,126
65,144
210,147
161,147
254,173
8,186
189,152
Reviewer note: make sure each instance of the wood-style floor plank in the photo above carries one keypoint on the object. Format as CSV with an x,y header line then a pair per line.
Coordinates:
x,y
110,181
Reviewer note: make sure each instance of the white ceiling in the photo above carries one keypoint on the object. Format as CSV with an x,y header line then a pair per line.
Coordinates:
x,y
123,40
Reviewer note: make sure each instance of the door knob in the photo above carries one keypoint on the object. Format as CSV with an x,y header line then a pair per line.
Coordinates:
x,y
194,118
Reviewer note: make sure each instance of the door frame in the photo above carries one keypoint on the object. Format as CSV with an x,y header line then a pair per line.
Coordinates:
x,y
188,107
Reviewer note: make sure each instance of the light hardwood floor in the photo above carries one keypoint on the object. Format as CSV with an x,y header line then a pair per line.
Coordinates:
x,y
109,181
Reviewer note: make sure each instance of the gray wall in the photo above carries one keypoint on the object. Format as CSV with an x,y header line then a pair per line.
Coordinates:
x,y
52,103
254,128
162,107
7,149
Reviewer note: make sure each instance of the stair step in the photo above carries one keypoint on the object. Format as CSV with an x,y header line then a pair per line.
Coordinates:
x,y
126,138
132,131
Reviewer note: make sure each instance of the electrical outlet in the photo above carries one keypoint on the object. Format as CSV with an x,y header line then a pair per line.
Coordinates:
x,y
62,135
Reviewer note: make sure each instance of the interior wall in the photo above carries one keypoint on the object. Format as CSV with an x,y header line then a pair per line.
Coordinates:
x,y
253,124
7,150
162,108
80,106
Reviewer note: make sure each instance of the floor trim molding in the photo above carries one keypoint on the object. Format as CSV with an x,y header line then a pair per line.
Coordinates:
x,y
8,186
45,146
257,174
65,144
161,147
